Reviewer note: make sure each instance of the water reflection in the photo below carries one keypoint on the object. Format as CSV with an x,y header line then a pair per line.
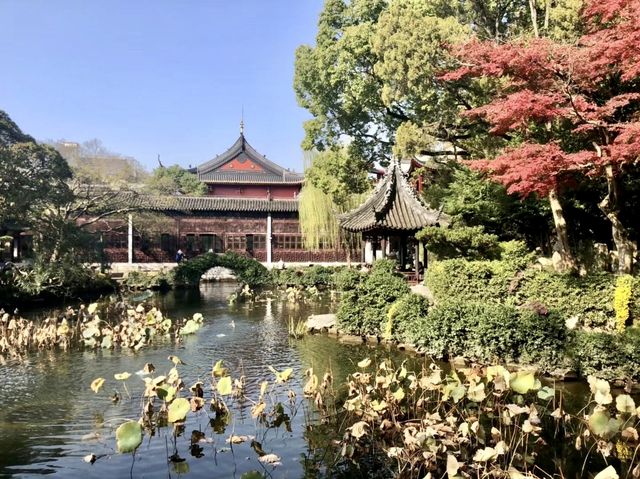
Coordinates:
x,y
50,419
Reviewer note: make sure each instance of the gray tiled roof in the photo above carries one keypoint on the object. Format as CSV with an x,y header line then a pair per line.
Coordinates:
x,y
211,203
393,205
249,177
272,173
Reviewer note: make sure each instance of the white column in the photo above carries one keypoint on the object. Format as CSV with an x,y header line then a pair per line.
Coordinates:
x,y
16,250
368,252
130,239
269,233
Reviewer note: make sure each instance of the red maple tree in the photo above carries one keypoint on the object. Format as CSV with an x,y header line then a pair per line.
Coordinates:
x,y
577,108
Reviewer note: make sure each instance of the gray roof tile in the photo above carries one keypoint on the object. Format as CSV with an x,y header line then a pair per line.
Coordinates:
x,y
211,204
393,205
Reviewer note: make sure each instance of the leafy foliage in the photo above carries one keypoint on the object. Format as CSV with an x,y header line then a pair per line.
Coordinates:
x,y
404,316
462,241
65,278
315,276
363,309
569,108
491,332
173,180
32,176
607,355
621,299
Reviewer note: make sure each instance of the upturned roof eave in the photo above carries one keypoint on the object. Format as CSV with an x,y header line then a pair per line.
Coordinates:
x,y
392,206
242,145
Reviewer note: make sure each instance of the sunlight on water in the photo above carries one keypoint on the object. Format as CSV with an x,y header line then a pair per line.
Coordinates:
x,y
50,419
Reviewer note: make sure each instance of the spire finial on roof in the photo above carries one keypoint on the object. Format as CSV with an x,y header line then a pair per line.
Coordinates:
x,y
242,122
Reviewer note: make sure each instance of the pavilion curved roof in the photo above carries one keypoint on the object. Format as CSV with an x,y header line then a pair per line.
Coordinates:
x,y
272,173
393,205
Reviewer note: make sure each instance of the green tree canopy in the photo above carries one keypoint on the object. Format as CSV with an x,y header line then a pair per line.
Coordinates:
x,y
173,180
32,176
338,174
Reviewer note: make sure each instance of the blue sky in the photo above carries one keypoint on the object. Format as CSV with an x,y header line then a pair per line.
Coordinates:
x,y
150,77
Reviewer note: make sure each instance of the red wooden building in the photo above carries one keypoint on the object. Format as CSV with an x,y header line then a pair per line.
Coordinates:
x,y
251,207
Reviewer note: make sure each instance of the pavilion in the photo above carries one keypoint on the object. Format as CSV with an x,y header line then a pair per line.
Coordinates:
x,y
389,219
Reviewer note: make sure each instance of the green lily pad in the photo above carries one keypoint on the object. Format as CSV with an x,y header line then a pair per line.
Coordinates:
x,y
599,423
178,410
166,393
128,437
546,393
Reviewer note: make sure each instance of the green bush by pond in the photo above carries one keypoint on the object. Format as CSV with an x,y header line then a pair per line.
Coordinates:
x,y
490,332
513,281
607,355
365,304
500,310
317,275
62,279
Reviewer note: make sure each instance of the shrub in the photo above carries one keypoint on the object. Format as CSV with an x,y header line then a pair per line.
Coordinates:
x,y
508,281
490,332
147,280
463,241
590,298
472,280
63,278
543,337
621,299
404,316
444,331
318,276
286,277
364,309
607,355
346,279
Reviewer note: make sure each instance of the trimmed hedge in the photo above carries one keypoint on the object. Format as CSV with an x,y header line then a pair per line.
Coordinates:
x,y
491,332
607,356
364,307
509,281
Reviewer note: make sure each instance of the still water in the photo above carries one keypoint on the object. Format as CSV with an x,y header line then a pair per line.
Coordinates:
x,y
50,419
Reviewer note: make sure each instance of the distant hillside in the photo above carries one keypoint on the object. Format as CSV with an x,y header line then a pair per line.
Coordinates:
x,y
92,160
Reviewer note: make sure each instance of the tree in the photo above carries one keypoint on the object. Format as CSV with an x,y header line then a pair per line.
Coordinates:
x,y
335,183
371,80
175,180
568,109
39,191
31,175
372,75
337,174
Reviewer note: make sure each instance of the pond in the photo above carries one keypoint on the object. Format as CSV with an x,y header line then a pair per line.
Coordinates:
x,y
50,419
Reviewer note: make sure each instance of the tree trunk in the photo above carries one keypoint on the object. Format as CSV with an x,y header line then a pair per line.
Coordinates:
x,y
547,12
534,17
610,206
568,262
